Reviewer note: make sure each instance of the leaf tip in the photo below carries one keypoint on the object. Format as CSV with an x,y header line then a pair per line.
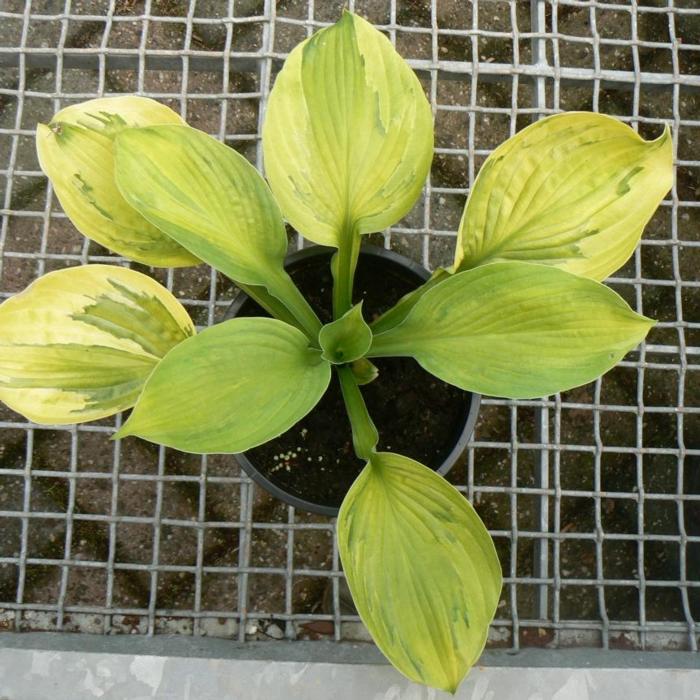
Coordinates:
x,y
452,688
665,142
123,432
645,323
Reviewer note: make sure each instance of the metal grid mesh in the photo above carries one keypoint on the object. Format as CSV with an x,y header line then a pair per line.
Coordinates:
x,y
592,496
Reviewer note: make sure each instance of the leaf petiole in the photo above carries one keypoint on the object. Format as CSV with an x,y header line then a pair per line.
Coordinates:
x,y
343,265
282,288
271,304
364,432
397,313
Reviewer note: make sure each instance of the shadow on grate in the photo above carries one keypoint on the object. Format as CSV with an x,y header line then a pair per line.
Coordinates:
x,y
592,496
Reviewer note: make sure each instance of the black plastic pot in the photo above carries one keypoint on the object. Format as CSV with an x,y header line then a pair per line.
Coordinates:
x,y
312,267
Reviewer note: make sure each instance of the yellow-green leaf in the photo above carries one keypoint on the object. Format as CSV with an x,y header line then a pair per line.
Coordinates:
x,y
364,371
421,567
76,152
215,203
78,344
205,196
574,190
515,329
232,387
346,339
348,134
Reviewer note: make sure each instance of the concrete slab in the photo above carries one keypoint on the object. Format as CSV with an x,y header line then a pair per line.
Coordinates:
x,y
351,672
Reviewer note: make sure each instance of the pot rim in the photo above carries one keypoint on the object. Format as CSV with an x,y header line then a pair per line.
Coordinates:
x,y
471,414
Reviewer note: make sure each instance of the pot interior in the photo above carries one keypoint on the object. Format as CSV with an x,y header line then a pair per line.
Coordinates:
x,y
312,465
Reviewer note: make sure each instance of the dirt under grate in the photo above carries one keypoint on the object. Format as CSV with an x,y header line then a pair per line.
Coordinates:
x,y
593,497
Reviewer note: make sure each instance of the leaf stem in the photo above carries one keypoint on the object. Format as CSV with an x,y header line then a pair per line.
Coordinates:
x,y
386,345
343,267
364,432
283,289
271,304
397,313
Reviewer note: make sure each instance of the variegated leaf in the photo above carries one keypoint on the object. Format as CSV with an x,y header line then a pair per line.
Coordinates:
x,y
574,190
76,152
348,134
79,343
421,567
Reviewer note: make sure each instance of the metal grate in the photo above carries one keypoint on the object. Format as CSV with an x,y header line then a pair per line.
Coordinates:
x,y
593,496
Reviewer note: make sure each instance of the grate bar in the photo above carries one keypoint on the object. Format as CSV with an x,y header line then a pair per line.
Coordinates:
x,y
204,62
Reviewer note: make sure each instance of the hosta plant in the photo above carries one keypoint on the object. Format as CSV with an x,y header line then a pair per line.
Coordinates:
x,y
347,142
